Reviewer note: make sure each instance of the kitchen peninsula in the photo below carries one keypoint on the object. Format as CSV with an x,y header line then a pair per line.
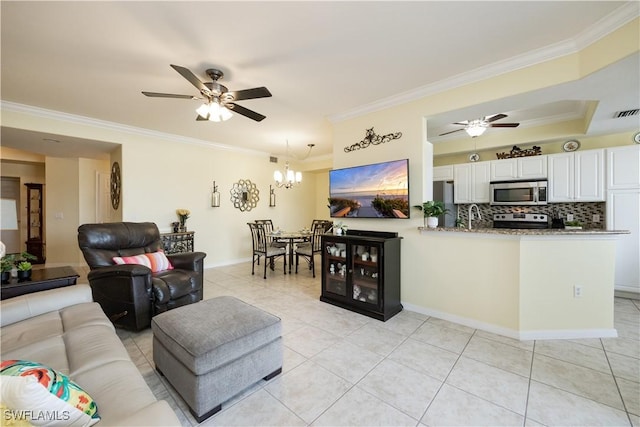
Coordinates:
x,y
525,284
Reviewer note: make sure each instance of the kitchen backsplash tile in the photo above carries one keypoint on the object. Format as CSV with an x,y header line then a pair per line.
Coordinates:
x,y
582,212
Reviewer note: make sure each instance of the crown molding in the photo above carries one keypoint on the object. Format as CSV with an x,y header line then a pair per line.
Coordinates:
x,y
600,29
43,113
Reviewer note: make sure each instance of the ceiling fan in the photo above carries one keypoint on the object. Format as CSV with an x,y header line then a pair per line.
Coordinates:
x,y
219,101
478,126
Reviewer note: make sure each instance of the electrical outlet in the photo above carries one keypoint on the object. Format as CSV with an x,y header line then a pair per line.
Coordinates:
x,y
569,217
577,291
596,218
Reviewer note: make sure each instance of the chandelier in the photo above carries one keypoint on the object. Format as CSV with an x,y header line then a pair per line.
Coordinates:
x,y
476,127
214,111
290,177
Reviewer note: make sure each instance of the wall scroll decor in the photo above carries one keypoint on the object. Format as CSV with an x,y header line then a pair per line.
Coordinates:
x,y
371,138
244,195
519,152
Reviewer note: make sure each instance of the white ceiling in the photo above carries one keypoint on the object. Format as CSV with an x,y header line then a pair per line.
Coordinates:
x,y
320,60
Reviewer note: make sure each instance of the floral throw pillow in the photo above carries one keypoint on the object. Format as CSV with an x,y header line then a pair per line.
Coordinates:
x,y
42,396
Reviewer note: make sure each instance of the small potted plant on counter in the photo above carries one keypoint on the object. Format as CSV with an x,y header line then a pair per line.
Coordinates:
x,y
573,225
431,211
24,270
6,265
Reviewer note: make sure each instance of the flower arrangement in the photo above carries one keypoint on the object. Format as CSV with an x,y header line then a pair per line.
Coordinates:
x,y
183,215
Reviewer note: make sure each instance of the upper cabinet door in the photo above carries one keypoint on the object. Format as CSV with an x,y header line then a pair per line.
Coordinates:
x,y
561,177
481,179
504,170
443,173
623,167
462,183
589,176
533,167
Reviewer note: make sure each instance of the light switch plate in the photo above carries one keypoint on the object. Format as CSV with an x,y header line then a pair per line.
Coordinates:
x,y
596,218
569,217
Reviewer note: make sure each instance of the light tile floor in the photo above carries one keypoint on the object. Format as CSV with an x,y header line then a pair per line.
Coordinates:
x,y
344,369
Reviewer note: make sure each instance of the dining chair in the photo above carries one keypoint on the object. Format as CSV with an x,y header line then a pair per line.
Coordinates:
x,y
308,251
263,248
268,226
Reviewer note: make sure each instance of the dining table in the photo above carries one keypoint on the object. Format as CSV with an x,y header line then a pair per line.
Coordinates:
x,y
291,238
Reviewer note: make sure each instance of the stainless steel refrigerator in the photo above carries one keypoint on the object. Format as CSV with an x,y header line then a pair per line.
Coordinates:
x,y
443,191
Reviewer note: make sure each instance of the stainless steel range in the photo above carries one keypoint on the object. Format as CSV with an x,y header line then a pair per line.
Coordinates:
x,y
520,220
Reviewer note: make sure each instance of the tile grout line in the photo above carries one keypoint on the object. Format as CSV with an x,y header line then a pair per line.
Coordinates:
x,y
526,404
446,377
615,380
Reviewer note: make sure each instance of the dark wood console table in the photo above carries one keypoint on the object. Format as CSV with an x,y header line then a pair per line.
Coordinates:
x,y
177,243
41,280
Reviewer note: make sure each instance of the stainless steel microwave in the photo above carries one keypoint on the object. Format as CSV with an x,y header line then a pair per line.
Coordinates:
x,y
510,193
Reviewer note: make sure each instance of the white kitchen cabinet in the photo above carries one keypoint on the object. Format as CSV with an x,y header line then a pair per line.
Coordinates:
x,y
623,167
589,176
471,182
443,173
532,167
576,177
623,213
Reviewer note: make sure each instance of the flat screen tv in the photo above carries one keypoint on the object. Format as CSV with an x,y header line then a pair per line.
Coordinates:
x,y
380,190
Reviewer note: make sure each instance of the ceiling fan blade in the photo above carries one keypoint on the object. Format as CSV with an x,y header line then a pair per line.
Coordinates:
x,y
504,125
495,117
168,95
245,112
447,133
466,122
187,74
256,92
200,118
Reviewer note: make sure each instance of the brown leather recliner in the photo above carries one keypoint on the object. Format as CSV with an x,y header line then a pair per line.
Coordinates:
x,y
131,294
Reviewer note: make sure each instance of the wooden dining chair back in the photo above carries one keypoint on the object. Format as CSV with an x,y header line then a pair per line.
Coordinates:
x,y
308,251
263,248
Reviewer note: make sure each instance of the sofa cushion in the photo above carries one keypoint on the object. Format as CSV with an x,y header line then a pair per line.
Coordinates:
x,y
156,261
50,397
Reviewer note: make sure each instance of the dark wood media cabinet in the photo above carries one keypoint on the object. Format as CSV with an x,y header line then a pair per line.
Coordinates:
x,y
361,272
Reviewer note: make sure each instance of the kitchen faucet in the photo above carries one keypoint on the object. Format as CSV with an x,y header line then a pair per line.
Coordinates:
x,y
471,213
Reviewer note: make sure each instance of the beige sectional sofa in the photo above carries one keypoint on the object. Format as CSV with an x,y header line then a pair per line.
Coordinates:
x,y
65,330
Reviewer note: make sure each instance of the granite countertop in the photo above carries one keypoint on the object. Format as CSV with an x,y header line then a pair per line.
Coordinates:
x,y
524,232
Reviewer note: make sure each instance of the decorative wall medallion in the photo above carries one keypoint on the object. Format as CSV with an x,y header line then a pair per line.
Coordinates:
x,y
519,152
636,138
474,157
371,138
571,145
244,195
115,185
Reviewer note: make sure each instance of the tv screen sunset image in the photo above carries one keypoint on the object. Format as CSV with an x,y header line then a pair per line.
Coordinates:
x,y
380,190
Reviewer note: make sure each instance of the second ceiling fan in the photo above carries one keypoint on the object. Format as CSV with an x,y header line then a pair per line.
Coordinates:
x,y
478,126
219,101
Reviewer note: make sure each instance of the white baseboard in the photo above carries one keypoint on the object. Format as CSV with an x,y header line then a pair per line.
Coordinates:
x,y
553,334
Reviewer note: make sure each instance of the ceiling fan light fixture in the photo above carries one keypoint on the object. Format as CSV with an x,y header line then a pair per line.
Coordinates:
x,y
476,127
214,112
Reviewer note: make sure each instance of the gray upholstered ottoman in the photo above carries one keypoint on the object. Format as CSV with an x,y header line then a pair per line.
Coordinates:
x,y
214,349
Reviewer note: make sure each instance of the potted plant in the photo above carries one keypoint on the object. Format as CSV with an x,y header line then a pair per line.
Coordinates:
x,y
24,270
431,211
6,265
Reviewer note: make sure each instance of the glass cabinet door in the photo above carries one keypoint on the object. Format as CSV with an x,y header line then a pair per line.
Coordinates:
x,y
365,273
335,273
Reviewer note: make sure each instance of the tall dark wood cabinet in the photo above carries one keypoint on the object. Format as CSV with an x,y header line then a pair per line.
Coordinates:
x,y
35,239
361,272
